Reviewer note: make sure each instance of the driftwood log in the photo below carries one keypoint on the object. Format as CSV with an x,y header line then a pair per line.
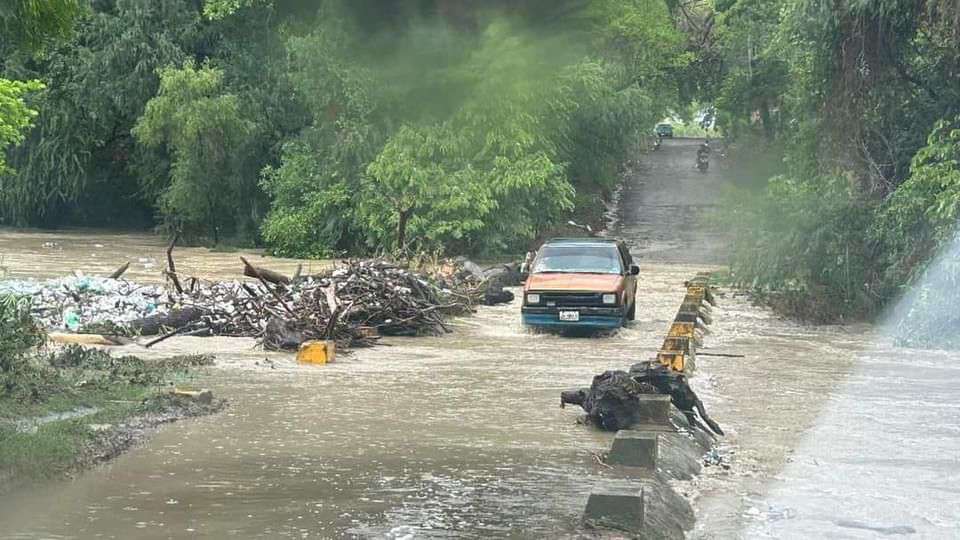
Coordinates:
x,y
611,402
158,324
266,274
120,271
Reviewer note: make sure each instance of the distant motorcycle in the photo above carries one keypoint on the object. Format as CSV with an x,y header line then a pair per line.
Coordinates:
x,y
703,162
657,142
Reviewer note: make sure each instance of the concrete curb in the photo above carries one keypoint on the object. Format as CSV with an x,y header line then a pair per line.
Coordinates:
x,y
662,447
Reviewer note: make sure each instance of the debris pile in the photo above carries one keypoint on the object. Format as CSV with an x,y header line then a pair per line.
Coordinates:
x,y
611,401
69,302
353,303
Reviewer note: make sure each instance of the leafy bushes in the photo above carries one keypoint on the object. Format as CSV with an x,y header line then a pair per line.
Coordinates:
x,y
19,332
860,97
20,378
801,244
816,249
15,117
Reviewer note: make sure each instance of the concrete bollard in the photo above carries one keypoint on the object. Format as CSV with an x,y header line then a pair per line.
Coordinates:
x,y
614,508
653,409
635,449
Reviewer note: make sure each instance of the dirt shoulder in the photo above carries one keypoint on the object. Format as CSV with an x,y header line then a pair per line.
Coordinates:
x,y
64,411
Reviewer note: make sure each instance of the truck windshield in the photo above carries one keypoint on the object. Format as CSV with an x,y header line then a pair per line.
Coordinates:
x,y
585,259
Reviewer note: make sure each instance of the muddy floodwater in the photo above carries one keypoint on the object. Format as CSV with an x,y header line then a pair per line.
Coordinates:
x,y
462,435
43,254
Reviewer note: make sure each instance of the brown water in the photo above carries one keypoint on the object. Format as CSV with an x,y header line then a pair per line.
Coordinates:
x,y
462,435
44,254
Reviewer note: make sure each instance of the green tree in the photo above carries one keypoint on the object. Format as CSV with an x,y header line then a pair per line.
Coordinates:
x,y
204,131
25,24
15,117
80,157
31,23
409,181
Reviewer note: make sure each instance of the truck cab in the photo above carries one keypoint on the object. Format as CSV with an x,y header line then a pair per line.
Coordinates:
x,y
580,283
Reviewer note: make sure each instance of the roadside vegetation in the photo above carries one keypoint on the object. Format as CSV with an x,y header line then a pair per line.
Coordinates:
x,y
321,128
361,127
860,100
65,409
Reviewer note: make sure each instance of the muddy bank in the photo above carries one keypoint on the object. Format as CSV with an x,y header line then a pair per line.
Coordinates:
x,y
113,439
106,441
64,411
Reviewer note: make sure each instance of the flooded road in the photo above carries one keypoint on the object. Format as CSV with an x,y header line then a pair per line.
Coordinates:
x,y
462,435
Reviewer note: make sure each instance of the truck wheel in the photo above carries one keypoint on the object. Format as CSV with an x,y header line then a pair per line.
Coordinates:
x,y
632,312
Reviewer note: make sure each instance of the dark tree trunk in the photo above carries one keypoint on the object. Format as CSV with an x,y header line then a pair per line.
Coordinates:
x,y
402,227
766,120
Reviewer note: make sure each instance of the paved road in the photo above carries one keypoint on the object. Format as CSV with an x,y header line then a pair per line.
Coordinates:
x,y
665,209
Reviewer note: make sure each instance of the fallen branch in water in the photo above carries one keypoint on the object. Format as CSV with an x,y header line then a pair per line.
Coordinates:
x,y
264,273
120,271
171,267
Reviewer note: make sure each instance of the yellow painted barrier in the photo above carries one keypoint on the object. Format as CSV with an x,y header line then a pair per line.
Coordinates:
x,y
675,360
679,348
317,352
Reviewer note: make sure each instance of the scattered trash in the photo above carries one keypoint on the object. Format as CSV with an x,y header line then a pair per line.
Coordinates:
x,y
716,458
73,302
354,303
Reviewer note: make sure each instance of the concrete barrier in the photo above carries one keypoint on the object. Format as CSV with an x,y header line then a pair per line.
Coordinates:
x,y
613,508
646,508
633,448
662,446
654,409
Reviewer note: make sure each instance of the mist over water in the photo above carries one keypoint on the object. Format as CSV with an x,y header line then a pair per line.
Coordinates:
x,y
927,315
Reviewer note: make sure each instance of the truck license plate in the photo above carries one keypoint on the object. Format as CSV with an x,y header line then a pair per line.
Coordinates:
x,y
570,316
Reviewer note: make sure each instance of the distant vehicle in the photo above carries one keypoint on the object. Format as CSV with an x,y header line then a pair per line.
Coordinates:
x,y
703,157
664,130
703,163
580,283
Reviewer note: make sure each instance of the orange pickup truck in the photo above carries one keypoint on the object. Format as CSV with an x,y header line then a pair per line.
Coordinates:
x,y
580,283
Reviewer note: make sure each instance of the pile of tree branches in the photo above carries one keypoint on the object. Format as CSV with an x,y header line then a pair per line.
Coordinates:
x,y
353,303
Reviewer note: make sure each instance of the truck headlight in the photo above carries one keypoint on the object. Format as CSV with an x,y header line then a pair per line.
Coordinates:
x,y
610,299
533,298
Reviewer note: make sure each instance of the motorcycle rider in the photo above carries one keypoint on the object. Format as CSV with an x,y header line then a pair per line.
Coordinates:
x,y
703,155
704,150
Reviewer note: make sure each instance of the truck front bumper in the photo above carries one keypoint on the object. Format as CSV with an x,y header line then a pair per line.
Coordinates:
x,y
590,317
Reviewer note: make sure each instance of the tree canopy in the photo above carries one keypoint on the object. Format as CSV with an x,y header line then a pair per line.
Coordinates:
x,y
362,126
